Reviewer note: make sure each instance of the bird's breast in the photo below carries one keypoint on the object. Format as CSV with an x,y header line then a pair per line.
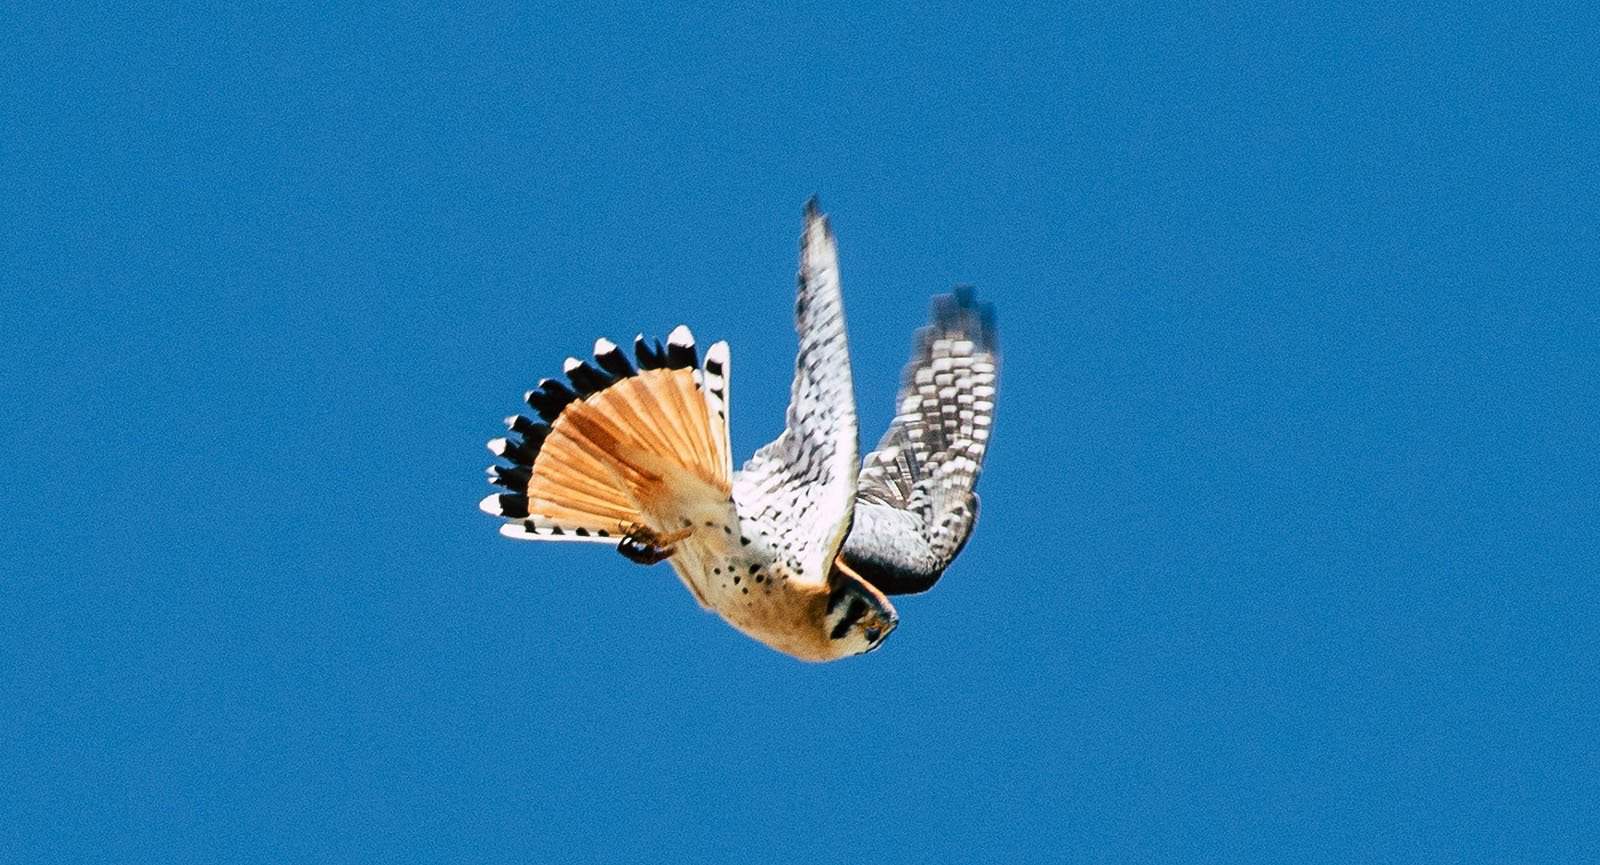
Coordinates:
x,y
754,591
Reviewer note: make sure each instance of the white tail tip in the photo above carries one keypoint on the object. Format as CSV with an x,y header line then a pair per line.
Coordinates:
x,y
516,531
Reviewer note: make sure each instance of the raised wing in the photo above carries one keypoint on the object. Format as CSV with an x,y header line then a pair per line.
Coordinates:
x,y
916,506
796,494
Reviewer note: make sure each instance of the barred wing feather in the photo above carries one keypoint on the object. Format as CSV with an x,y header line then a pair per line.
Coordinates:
x,y
797,493
916,504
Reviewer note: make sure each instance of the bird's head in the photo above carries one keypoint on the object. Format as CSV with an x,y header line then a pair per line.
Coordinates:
x,y
858,617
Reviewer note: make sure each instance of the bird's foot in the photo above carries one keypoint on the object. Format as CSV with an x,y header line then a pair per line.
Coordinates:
x,y
643,546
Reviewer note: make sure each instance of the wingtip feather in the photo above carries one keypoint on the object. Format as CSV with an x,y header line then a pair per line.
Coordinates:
x,y
816,221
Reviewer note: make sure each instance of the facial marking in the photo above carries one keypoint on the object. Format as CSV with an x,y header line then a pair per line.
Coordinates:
x,y
852,614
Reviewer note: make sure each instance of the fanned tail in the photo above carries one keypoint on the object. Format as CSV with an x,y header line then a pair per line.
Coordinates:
x,y
618,450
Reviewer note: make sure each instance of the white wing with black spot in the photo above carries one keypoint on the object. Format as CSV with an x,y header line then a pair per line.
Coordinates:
x,y
916,504
797,493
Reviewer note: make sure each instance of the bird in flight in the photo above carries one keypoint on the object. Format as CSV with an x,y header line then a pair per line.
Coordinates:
x,y
802,547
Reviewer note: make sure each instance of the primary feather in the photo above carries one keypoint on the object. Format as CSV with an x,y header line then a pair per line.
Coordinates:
x,y
916,504
800,489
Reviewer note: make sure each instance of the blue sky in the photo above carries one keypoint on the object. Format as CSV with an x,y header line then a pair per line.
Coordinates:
x,y
1287,550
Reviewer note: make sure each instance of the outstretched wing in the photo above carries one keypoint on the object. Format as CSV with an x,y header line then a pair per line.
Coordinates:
x,y
796,494
916,505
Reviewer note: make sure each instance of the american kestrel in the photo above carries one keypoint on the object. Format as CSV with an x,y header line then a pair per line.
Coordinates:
x,y
800,549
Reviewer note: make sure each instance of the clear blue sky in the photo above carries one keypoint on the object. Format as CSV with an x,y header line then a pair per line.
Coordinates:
x,y
1287,550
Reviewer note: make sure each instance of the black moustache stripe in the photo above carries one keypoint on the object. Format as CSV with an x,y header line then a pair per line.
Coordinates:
x,y
852,614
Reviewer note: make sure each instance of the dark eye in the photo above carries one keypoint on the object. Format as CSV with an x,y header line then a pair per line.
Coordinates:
x,y
872,635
